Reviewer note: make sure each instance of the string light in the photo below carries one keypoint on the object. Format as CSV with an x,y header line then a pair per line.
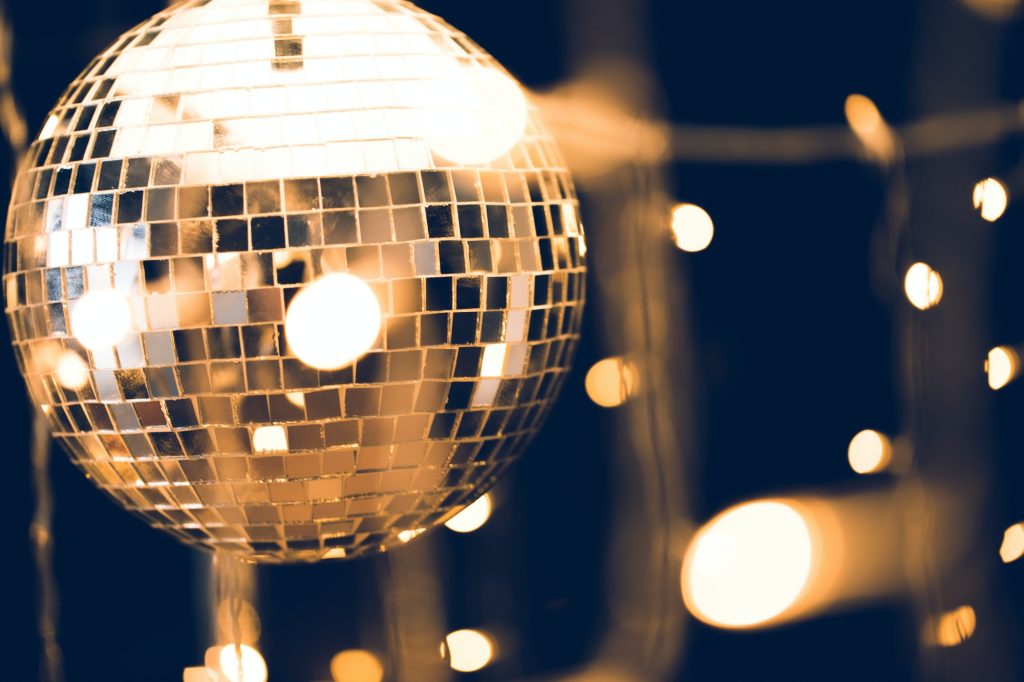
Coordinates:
x,y
1013,544
867,123
951,628
71,371
692,228
923,286
473,517
253,668
1002,367
467,651
991,199
870,452
101,319
356,665
333,322
749,565
612,381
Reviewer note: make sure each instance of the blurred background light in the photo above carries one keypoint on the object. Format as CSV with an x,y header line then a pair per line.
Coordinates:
x,y
870,127
356,665
252,669
1013,544
333,321
870,452
692,228
473,517
100,319
71,371
749,565
991,199
951,628
923,286
467,651
1002,367
612,381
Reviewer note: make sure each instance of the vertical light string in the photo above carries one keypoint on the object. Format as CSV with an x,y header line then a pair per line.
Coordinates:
x,y
15,132
234,586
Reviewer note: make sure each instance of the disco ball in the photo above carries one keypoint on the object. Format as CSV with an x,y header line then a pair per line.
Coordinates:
x,y
294,279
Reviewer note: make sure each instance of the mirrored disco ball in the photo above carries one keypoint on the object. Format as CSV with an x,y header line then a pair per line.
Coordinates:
x,y
293,277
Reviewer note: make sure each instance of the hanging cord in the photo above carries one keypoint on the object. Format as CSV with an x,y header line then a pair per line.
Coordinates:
x,y
229,581
15,131
41,535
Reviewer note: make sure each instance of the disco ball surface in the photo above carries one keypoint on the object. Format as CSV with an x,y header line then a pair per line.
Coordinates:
x,y
294,279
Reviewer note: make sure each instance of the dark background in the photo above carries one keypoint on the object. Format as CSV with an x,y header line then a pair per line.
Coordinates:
x,y
794,355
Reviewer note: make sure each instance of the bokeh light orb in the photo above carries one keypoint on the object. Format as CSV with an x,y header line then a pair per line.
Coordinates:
x,y
320,264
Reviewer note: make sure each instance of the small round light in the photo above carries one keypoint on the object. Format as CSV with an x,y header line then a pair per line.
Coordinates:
x,y
467,651
472,517
991,199
749,565
612,381
356,665
1002,366
333,321
253,668
1013,544
71,370
101,319
923,286
870,452
692,228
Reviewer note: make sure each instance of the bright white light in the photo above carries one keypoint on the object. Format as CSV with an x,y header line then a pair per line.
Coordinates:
x,y
991,199
923,286
1013,544
410,535
1003,366
869,452
472,517
333,322
493,364
692,228
468,650
478,118
101,319
71,371
253,668
270,439
748,565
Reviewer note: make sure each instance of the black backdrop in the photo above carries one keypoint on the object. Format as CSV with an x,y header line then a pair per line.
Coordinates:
x,y
794,356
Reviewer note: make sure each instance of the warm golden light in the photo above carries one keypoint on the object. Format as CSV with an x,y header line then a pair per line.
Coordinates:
x,y
473,517
356,665
870,452
923,286
270,439
477,117
71,371
991,199
493,364
333,322
870,127
1002,367
951,628
749,565
410,535
296,399
612,381
467,650
1013,544
101,319
252,669
692,228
